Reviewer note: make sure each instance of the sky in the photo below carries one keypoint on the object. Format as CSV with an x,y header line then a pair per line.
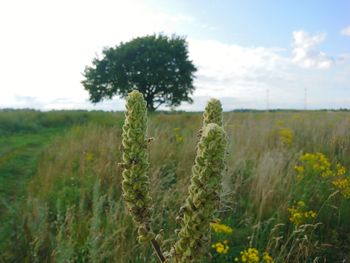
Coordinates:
x,y
249,54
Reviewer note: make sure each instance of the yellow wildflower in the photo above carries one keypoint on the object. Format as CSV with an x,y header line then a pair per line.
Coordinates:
x,y
340,170
300,171
221,247
319,165
251,255
89,156
343,185
221,228
298,215
267,258
316,163
178,137
286,136
301,204
310,214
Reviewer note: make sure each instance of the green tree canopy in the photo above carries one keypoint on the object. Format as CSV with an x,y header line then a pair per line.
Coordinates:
x,y
156,65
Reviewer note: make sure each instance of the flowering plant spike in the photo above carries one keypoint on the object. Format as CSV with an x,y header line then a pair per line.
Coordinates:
x,y
203,195
197,212
213,113
135,162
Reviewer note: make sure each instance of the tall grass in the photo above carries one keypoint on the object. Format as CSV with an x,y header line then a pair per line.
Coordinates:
x,y
31,121
74,210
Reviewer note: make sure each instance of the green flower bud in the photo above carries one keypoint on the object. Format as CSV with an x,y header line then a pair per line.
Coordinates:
x,y
135,163
159,237
213,113
201,202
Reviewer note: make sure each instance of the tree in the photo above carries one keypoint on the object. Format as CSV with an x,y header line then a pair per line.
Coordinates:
x,y
156,65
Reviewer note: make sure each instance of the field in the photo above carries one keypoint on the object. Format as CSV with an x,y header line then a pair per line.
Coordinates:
x,y
285,191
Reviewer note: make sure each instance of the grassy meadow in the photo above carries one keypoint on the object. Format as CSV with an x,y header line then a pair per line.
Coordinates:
x,y
285,191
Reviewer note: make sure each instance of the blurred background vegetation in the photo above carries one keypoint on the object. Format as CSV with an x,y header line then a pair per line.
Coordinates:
x,y
60,186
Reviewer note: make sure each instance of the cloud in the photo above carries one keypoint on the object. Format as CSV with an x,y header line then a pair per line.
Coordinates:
x,y
240,75
235,71
174,18
305,53
345,31
182,20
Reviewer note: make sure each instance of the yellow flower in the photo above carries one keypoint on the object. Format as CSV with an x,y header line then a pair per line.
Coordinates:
x,y
295,216
343,185
316,163
299,169
301,204
251,255
310,214
319,165
221,248
298,215
340,170
178,137
286,136
267,258
89,156
221,228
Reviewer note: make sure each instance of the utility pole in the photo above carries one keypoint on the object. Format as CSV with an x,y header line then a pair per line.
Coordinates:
x,y
305,99
267,100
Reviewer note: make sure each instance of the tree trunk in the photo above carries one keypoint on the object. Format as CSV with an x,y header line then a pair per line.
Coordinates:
x,y
149,101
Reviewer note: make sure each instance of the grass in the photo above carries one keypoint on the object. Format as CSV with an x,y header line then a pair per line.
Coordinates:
x,y
19,155
24,134
73,210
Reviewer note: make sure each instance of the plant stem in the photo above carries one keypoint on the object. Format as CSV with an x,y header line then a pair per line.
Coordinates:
x,y
157,249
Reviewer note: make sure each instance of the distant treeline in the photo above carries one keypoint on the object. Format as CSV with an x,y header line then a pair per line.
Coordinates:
x,y
286,110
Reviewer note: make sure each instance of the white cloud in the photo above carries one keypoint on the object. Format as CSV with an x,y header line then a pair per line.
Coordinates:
x,y
240,76
45,45
305,52
175,18
233,70
345,31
